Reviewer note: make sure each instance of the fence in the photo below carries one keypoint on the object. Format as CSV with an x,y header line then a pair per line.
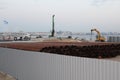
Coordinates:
x,y
26,65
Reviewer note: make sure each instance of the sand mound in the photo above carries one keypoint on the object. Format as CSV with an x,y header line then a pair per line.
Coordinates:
x,y
5,76
60,40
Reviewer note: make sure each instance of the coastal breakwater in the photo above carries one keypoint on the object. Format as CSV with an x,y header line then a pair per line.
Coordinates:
x,y
28,65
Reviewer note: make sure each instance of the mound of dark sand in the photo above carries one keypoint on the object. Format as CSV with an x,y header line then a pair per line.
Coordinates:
x,y
93,51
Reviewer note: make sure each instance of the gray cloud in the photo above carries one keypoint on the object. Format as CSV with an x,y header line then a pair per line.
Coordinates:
x,y
99,2
1,8
3,5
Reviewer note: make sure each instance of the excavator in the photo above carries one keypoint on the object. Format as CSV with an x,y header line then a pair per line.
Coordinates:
x,y
99,38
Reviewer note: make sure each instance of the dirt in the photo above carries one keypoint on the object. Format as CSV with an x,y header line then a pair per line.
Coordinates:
x,y
37,46
5,76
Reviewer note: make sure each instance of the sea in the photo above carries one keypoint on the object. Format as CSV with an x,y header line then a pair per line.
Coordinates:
x,y
86,37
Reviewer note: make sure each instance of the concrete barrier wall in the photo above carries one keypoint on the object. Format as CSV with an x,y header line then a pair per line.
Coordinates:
x,y
26,65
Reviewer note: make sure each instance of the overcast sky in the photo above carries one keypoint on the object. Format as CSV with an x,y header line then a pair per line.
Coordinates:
x,y
70,15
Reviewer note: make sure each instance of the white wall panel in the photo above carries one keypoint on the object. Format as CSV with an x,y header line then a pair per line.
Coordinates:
x,y
27,65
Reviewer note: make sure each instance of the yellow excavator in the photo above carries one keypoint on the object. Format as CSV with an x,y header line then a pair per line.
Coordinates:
x,y
99,38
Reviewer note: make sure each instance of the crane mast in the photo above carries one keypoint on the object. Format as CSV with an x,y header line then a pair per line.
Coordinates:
x,y
53,24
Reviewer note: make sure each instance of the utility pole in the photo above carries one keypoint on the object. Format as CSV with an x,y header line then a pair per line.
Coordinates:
x,y
53,24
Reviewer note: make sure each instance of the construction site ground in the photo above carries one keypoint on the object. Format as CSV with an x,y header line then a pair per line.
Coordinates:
x,y
37,46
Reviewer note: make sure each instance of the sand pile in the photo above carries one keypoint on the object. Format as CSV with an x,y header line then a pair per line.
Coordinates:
x,y
94,51
5,76
60,40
